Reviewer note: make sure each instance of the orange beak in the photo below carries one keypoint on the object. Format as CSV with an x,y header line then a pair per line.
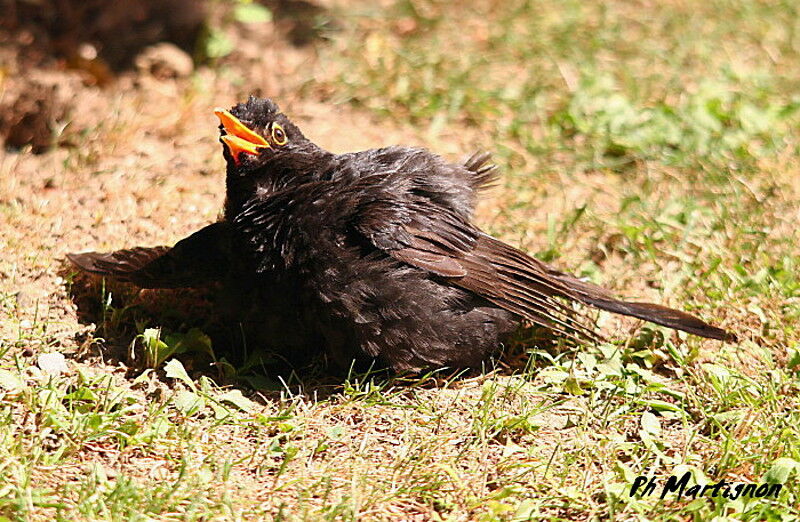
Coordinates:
x,y
238,137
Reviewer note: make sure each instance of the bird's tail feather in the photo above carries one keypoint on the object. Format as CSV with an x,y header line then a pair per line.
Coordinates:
x,y
599,297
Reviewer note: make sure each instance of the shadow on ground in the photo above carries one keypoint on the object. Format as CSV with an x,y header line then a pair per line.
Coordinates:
x,y
191,328
143,328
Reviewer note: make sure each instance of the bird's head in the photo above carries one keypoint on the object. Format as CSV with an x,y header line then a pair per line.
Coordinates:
x,y
264,152
256,133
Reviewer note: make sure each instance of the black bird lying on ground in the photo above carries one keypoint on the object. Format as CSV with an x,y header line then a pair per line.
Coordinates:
x,y
369,254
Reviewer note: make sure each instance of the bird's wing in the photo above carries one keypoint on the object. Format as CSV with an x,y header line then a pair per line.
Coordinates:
x,y
442,243
439,241
200,258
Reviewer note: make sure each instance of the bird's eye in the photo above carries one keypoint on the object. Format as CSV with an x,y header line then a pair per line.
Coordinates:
x,y
278,135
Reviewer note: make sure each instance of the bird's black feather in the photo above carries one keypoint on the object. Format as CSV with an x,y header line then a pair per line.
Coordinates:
x,y
199,259
374,255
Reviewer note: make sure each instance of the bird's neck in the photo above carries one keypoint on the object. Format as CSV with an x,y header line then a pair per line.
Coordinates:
x,y
277,174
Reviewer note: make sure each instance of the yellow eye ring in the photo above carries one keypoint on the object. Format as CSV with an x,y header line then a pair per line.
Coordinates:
x,y
279,135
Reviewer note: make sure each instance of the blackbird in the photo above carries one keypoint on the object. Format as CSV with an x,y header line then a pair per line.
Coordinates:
x,y
369,255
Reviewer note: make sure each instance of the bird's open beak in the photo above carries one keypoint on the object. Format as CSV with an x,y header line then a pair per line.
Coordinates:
x,y
238,138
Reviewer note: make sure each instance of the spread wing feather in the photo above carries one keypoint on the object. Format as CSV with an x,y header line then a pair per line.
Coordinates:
x,y
198,259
